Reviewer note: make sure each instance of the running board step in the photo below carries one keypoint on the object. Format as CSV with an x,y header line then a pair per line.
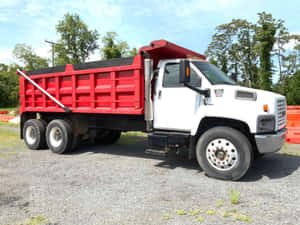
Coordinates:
x,y
156,152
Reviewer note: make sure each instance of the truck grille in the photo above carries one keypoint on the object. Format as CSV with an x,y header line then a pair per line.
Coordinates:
x,y
281,113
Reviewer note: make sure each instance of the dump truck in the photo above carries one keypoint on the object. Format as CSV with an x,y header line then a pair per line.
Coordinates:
x,y
182,101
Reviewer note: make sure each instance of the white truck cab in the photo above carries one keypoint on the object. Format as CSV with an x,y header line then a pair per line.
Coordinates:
x,y
227,124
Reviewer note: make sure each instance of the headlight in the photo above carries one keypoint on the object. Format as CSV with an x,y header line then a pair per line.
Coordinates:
x,y
245,95
265,123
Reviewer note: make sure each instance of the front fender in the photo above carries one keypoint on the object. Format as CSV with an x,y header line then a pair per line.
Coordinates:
x,y
242,114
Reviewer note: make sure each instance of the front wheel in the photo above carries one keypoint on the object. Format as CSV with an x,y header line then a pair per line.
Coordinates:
x,y
224,153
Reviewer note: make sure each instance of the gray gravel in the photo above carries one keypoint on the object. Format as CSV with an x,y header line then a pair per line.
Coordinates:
x,y
119,184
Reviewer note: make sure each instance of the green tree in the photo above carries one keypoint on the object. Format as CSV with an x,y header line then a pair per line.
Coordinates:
x,y
232,50
28,57
76,41
265,34
133,52
9,85
282,38
218,49
112,47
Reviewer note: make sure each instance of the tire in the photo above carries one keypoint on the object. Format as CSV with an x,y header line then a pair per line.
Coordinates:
x,y
59,136
107,136
75,142
224,153
34,134
44,145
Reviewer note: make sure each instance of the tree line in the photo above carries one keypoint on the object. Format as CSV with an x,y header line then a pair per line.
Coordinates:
x,y
261,55
76,43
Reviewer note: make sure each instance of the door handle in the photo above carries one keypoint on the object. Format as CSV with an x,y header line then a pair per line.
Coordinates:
x,y
159,94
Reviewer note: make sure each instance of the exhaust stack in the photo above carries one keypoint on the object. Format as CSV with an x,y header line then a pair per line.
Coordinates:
x,y
148,67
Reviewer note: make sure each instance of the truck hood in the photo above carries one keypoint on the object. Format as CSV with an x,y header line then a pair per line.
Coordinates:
x,y
224,103
260,93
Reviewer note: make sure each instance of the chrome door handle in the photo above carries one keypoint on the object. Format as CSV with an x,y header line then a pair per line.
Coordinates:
x,y
159,94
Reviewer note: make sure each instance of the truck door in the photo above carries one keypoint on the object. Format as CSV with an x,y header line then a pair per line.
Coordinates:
x,y
175,106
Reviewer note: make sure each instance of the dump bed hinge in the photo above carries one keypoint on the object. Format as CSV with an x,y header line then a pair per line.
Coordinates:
x,y
44,91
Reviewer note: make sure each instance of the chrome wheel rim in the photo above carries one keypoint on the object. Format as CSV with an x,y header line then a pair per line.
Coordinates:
x,y
30,135
56,137
222,154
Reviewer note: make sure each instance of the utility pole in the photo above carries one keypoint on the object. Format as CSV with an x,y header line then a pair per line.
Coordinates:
x,y
53,46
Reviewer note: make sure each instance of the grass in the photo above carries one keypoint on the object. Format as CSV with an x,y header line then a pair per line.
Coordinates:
x,y
235,196
8,124
9,109
167,215
8,136
135,133
8,140
290,153
244,218
130,138
210,212
194,212
219,203
35,220
225,215
180,212
200,219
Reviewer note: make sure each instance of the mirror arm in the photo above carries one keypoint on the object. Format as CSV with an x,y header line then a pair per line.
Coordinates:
x,y
205,92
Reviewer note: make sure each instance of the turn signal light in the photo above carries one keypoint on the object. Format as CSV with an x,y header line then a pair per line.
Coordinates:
x,y
188,71
266,108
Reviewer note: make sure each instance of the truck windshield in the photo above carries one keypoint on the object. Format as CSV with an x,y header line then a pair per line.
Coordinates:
x,y
213,74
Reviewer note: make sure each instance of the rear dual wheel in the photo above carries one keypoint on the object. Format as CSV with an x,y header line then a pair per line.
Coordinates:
x,y
59,136
34,134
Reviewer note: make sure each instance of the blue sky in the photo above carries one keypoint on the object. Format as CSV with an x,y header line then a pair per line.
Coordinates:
x,y
190,23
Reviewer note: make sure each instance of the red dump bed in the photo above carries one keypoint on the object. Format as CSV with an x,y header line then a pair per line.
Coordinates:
x,y
99,89
108,87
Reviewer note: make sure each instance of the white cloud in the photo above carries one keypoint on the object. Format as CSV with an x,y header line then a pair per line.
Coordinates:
x,y
190,8
34,8
291,44
9,3
44,51
228,3
6,56
94,57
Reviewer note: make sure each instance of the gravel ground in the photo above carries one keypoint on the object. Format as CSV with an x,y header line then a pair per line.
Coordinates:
x,y
119,184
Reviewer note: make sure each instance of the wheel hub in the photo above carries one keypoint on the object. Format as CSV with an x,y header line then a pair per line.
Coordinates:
x,y
55,137
222,154
30,135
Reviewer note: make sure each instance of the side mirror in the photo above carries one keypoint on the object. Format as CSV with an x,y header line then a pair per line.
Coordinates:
x,y
198,82
185,71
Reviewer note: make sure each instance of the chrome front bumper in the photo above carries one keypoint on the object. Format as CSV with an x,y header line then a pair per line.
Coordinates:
x,y
267,143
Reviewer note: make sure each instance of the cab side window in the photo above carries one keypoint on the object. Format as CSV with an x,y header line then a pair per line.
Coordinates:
x,y
171,76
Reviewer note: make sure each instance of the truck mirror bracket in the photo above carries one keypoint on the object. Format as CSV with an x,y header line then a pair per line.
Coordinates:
x,y
204,92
